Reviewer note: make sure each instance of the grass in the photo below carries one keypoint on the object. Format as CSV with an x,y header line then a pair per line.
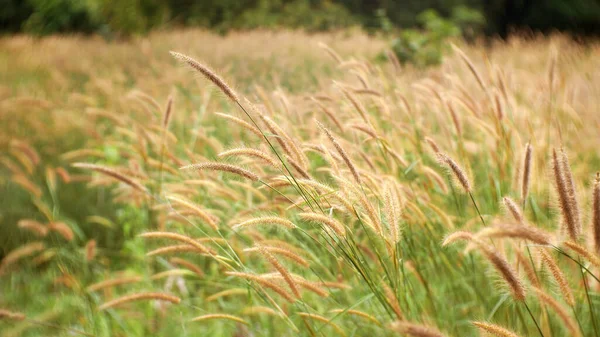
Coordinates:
x,y
301,189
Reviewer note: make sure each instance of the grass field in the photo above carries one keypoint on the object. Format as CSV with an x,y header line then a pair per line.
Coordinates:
x,y
309,186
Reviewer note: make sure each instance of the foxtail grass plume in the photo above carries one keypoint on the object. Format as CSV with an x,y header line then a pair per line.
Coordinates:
x,y
522,232
266,220
457,171
527,160
113,283
209,74
564,188
558,276
111,173
509,275
415,330
11,315
265,283
168,113
596,214
222,167
584,252
327,221
20,253
176,237
562,312
281,269
341,152
357,313
140,297
219,316
514,209
494,329
324,320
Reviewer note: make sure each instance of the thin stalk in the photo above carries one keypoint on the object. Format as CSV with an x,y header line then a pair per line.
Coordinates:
x,y
587,295
533,318
477,208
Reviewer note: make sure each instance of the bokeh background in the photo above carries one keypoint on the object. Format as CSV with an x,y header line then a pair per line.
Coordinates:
x,y
119,18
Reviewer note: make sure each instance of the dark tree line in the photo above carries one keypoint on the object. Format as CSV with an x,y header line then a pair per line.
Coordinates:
x,y
137,16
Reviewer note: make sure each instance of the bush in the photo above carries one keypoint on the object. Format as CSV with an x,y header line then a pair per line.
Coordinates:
x,y
426,46
59,16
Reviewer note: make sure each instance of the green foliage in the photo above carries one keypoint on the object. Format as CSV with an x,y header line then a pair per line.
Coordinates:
x,y
469,20
51,16
426,46
128,17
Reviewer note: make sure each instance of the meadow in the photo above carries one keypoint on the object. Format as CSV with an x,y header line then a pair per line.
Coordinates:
x,y
291,184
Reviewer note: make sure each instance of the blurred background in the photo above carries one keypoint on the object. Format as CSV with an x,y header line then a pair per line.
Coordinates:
x,y
117,19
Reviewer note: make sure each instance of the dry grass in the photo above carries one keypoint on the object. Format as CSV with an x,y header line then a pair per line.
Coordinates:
x,y
310,202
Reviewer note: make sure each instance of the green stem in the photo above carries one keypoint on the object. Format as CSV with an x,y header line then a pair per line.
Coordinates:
x,y
533,318
477,208
587,294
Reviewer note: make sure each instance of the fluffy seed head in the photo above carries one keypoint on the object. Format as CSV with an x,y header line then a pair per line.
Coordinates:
x,y
341,152
324,320
222,167
559,277
139,297
11,315
522,232
415,330
456,170
265,283
111,173
329,222
270,220
565,190
596,214
219,316
113,282
526,171
514,209
209,74
560,311
494,329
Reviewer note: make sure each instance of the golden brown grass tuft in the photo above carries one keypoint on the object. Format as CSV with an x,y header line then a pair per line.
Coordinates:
x,y
509,275
11,315
560,311
415,330
111,173
526,181
113,283
522,232
219,316
565,190
457,171
281,269
209,74
327,221
266,220
596,214
265,283
178,237
559,277
341,152
325,320
514,209
494,329
222,167
244,151
139,297
19,253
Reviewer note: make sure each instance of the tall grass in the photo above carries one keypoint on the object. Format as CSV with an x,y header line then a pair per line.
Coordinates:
x,y
332,206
